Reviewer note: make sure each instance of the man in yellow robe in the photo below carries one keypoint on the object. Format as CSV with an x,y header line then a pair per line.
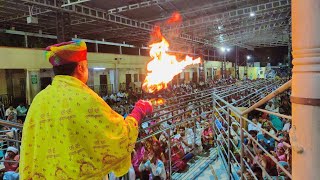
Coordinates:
x,y
70,132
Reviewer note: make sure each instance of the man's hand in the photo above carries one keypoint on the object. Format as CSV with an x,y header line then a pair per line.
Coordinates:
x,y
141,109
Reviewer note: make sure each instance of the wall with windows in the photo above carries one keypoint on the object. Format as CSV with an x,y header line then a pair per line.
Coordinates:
x,y
135,65
24,58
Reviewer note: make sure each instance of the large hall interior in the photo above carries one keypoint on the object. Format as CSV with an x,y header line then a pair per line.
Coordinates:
x,y
232,85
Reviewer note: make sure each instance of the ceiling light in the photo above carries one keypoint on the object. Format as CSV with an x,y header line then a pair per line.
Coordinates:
x,y
248,57
225,49
219,27
99,68
252,14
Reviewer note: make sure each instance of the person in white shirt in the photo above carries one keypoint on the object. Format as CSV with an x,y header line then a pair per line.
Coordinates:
x,y
10,110
251,126
131,175
11,113
270,106
198,142
235,133
113,97
287,126
187,139
154,165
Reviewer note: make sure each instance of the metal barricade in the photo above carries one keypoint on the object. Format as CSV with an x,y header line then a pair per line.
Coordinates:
x,y
212,102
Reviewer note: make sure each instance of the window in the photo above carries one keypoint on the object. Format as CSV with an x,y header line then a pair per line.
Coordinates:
x,y
135,77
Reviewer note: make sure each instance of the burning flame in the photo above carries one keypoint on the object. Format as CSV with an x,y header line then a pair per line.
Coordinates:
x,y
163,67
157,101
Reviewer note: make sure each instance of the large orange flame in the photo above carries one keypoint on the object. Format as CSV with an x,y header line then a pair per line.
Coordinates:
x,y
163,67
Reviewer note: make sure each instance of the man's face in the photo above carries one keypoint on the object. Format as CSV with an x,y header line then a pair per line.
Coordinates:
x,y
254,121
11,154
84,73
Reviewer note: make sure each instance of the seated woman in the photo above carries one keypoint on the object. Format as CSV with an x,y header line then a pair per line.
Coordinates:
x,y
158,151
153,164
280,153
267,163
177,155
207,136
137,157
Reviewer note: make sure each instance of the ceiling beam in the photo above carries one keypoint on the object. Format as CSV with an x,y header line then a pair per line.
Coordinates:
x,y
214,5
31,11
135,6
69,2
241,22
241,12
117,19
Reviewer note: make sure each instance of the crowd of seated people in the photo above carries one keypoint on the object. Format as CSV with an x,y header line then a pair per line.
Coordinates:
x,y
274,139
150,159
192,136
17,114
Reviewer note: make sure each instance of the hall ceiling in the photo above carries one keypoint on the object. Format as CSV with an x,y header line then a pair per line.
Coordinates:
x,y
206,23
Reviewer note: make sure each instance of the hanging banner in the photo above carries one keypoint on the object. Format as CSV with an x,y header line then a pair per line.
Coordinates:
x,y
34,79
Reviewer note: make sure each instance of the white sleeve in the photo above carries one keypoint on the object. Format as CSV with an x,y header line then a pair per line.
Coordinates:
x,y
142,167
156,170
132,174
7,112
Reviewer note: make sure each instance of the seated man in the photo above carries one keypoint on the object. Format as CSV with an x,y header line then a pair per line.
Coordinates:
x,y
12,155
21,111
153,164
254,126
11,169
11,113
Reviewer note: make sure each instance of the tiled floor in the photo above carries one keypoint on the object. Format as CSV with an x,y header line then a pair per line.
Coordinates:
x,y
197,167
219,170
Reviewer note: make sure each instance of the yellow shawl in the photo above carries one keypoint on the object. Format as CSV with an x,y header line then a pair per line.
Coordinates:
x,y
71,133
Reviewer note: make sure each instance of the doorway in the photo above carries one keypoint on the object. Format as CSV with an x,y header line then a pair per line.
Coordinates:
x,y
195,77
128,81
103,88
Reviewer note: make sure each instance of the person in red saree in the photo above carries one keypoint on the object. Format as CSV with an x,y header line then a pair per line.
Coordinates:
x,y
177,157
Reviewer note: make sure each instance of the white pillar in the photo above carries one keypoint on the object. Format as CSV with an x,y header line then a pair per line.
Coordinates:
x,y
112,80
116,82
305,98
32,84
212,73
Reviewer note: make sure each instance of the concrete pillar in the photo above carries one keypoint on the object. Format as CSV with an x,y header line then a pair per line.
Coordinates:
x,y
97,47
305,97
205,70
191,75
116,81
112,80
32,84
198,73
212,73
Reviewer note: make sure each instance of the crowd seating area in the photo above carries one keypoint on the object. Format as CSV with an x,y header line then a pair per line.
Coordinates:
x,y
190,128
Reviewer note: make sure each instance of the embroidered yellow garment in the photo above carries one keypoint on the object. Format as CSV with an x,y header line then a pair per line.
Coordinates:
x,y
71,133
